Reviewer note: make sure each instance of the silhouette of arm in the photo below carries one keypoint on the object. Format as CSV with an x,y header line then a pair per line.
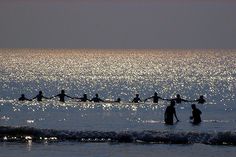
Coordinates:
x,y
69,96
176,116
28,99
148,98
101,100
45,97
193,100
185,100
132,101
80,99
54,96
35,97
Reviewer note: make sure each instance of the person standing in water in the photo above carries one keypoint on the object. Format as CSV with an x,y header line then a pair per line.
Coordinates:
x,y
136,99
178,99
40,96
62,96
155,98
118,100
200,100
196,115
97,99
23,98
170,113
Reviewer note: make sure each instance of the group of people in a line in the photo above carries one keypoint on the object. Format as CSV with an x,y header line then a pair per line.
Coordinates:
x,y
62,96
170,112
178,99
136,99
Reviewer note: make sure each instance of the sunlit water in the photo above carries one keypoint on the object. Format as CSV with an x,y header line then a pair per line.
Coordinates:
x,y
112,74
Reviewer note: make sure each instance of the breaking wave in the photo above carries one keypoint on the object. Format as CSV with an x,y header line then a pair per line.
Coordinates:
x,y
14,134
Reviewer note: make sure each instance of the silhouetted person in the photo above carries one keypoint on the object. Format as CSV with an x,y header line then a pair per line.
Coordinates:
x,y
62,96
40,96
97,99
170,113
196,115
84,98
23,98
178,99
155,98
118,100
200,100
136,99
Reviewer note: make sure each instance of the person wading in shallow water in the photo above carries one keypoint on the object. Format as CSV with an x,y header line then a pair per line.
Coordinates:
x,y
178,99
40,96
97,99
155,98
136,99
170,113
23,98
62,96
200,100
196,115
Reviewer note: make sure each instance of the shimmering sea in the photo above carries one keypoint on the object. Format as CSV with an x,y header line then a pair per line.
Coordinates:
x,y
112,74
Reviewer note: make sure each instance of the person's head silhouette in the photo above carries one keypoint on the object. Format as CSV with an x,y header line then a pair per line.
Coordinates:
x,y
118,100
193,106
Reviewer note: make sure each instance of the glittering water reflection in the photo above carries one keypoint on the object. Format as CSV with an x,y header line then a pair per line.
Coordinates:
x,y
112,74
120,73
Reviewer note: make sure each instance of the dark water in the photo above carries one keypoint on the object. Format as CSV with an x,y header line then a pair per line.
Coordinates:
x,y
112,74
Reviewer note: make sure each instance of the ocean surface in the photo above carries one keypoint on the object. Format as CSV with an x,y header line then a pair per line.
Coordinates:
x,y
74,128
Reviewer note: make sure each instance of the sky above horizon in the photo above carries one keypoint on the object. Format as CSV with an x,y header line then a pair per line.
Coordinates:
x,y
118,24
